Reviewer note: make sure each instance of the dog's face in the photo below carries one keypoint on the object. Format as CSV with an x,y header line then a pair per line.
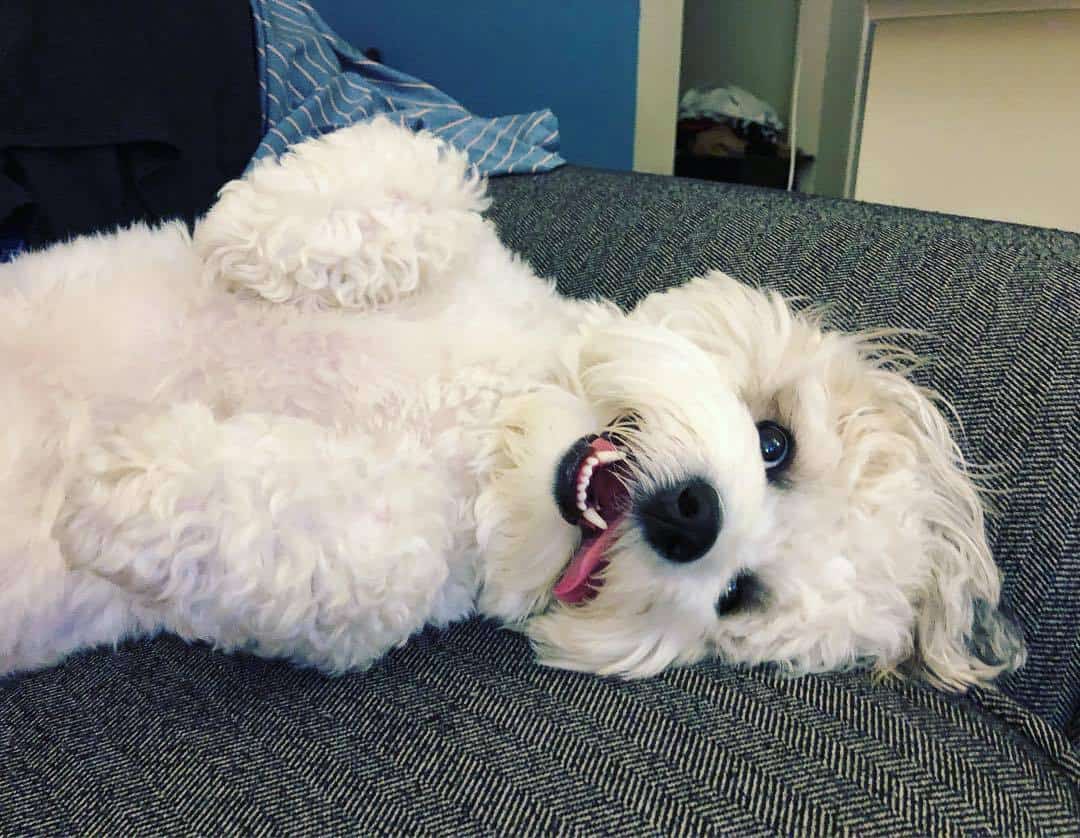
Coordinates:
x,y
716,475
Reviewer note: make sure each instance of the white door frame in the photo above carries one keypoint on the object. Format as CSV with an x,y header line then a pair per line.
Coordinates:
x,y
657,104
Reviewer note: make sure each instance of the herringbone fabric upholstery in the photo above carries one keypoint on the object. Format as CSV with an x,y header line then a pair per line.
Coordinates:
x,y
460,733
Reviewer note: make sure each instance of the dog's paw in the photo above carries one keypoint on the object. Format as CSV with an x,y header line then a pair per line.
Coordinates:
x,y
133,503
355,219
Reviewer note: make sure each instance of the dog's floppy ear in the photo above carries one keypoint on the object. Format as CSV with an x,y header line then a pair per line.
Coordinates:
x,y
353,219
961,638
713,311
728,320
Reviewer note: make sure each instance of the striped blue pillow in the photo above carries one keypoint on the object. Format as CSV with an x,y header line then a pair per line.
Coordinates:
x,y
313,82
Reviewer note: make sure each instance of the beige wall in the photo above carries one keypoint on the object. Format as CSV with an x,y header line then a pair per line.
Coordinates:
x,y
976,115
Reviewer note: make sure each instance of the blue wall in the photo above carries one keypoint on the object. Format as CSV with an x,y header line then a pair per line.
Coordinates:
x,y
578,57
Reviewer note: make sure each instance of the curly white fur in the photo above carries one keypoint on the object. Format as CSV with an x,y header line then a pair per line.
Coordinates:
x,y
362,227
335,416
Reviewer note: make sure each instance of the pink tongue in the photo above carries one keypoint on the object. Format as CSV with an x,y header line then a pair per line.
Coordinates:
x,y
601,444
574,586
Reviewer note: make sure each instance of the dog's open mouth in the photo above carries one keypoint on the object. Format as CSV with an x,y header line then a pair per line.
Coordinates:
x,y
590,495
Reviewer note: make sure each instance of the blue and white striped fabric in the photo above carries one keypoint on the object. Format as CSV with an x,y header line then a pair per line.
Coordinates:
x,y
313,82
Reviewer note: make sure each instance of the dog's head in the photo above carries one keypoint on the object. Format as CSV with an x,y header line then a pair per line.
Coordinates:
x,y
715,474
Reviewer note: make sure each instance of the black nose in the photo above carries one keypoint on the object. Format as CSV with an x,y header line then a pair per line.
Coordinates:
x,y
682,522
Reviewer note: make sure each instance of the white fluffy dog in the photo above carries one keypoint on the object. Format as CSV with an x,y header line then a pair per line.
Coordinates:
x,y
343,411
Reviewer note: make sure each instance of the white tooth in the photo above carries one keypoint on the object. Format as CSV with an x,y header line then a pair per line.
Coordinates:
x,y
581,505
606,457
590,462
593,517
586,472
581,495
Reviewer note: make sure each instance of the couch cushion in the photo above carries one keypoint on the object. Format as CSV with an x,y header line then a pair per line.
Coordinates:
x,y
1001,303
460,733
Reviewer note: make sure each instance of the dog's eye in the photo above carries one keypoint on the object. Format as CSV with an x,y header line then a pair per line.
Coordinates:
x,y
777,447
741,592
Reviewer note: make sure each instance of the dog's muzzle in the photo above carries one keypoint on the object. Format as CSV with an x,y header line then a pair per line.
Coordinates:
x,y
682,522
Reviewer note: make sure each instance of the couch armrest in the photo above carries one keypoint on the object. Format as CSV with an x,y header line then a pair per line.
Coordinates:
x,y
1000,302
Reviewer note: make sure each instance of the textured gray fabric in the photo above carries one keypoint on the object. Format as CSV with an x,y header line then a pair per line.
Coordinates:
x,y
460,733
1001,304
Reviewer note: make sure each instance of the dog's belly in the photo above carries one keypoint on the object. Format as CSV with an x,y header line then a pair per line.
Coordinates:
x,y
360,368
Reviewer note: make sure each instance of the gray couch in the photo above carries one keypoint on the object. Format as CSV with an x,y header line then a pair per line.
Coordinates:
x,y
459,732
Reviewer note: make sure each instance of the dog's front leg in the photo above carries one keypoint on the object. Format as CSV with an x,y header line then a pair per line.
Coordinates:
x,y
270,534
357,219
